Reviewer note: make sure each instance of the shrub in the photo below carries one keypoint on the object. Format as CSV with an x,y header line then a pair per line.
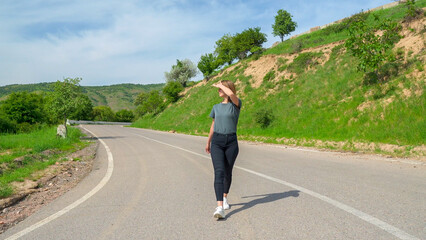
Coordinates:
x,y
172,90
153,102
124,115
7,125
103,113
264,117
388,70
24,107
413,12
371,49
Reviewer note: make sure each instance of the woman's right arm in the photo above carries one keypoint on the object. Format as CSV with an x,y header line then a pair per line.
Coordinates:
x,y
210,137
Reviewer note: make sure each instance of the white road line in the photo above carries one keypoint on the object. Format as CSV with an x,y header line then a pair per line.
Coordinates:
x,y
98,187
364,216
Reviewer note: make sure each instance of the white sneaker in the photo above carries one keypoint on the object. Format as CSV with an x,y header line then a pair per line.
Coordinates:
x,y
225,203
219,213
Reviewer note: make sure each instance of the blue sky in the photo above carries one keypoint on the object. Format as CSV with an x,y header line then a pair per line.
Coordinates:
x,y
136,41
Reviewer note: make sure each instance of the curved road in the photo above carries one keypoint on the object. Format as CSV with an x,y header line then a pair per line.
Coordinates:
x,y
156,185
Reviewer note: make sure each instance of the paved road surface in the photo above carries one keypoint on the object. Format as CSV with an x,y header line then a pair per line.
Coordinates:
x,y
156,185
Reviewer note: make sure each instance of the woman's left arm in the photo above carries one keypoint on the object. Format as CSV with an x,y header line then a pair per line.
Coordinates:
x,y
229,93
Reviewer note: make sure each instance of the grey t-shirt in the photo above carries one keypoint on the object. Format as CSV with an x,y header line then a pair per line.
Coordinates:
x,y
225,117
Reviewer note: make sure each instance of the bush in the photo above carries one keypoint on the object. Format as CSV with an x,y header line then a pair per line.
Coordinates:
x,y
372,50
172,90
103,113
388,70
264,117
124,115
24,107
25,127
7,125
413,12
152,102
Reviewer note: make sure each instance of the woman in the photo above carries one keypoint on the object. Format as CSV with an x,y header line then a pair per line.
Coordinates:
x,y
222,142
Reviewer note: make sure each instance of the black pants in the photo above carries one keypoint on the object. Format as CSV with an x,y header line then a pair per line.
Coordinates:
x,y
224,151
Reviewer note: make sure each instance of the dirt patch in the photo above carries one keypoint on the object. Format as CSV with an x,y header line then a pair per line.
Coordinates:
x,y
229,69
413,39
325,49
417,153
364,106
259,68
50,183
7,152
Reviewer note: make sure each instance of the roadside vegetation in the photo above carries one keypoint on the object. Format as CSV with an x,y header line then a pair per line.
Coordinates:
x,y
23,154
313,90
355,86
117,97
28,133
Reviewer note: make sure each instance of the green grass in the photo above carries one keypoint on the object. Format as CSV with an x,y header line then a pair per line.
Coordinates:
x,y
30,146
336,32
330,102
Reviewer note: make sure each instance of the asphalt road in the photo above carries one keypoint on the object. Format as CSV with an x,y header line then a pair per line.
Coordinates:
x,y
157,185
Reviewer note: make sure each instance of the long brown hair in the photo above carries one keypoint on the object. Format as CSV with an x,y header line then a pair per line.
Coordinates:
x,y
229,85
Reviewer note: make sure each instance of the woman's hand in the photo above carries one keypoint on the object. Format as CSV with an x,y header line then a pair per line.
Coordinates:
x,y
208,148
218,85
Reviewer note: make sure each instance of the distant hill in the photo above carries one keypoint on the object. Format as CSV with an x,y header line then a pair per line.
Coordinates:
x,y
120,96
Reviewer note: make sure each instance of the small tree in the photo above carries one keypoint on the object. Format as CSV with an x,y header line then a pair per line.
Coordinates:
x,y
181,72
225,50
283,25
152,102
140,98
248,40
207,64
65,99
369,46
172,90
84,110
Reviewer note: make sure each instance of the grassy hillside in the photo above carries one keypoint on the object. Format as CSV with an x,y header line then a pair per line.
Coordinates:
x,y
118,97
316,96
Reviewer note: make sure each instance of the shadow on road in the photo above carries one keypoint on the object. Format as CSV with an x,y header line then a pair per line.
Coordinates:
x,y
265,198
114,137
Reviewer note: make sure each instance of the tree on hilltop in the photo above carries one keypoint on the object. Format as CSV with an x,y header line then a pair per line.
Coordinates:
x,y
207,64
283,25
249,40
181,72
225,50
